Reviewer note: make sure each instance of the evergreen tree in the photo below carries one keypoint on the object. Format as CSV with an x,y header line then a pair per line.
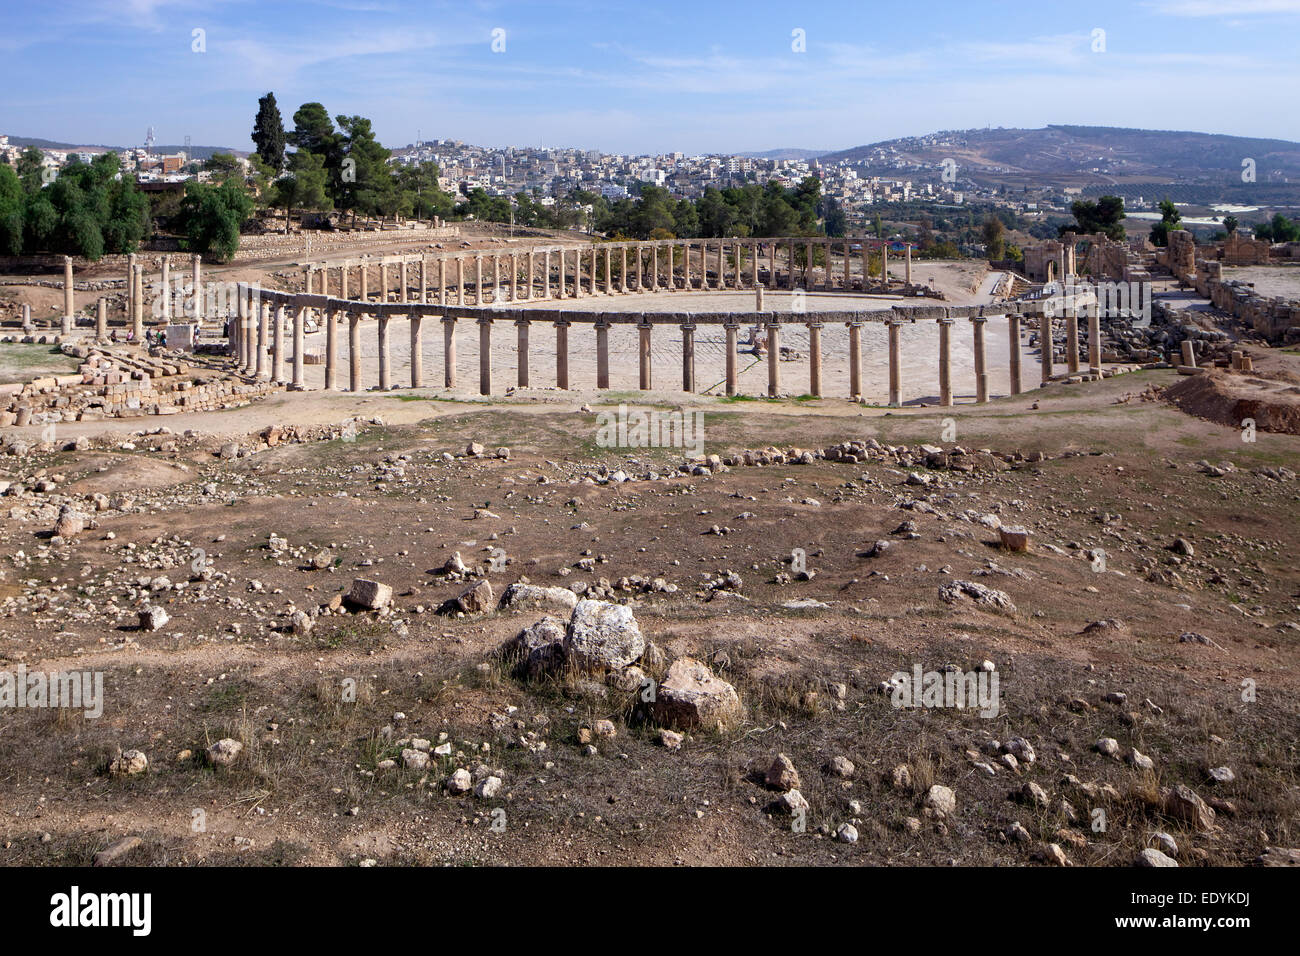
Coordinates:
x,y
268,133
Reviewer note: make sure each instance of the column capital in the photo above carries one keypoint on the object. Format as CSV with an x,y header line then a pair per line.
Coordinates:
x,y
979,318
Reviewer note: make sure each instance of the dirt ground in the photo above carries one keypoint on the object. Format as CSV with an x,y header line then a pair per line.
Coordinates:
x,y
1094,649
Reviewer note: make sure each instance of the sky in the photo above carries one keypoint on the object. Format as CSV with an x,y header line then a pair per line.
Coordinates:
x,y
653,76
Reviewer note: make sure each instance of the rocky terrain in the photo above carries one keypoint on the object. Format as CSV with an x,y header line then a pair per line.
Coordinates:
x,y
451,634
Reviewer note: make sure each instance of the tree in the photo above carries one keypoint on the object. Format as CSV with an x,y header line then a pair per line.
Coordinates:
x,y
304,185
212,216
1278,229
993,233
31,162
365,182
313,132
1105,216
1169,221
268,133
225,165
11,212
1230,224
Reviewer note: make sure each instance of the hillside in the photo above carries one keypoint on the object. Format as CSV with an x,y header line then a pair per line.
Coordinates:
x,y
1084,156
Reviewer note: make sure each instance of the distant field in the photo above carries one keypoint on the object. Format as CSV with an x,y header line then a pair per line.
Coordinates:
x,y
18,363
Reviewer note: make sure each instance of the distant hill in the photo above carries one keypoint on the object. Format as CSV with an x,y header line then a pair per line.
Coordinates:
x,y
195,152
1083,156
787,153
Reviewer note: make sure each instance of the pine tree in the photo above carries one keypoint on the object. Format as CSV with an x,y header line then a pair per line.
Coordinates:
x,y
268,133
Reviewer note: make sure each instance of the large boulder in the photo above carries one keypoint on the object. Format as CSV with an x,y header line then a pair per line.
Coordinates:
x,y
691,696
531,595
476,598
603,636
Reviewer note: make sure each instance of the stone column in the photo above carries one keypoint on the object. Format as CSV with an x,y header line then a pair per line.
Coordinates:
x,y
485,355
577,273
416,321
907,268
460,280
895,363
101,318
732,327
1072,338
654,267
753,267
602,353
478,280
644,328
771,272
514,277
448,352
791,264
528,285
609,276
239,336
981,363
343,280
424,278
137,309
855,358
385,365
263,339
1013,335
299,338
496,279
277,348
640,279
1045,342
562,353
688,357
945,361
383,280
68,307
722,264
560,292
128,304
1094,338
622,277
331,349
773,357
884,265
815,359
686,265
354,351
546,274
167,289
198,288
442,280
521,326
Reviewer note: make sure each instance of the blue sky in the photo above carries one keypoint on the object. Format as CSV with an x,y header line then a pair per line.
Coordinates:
x,y
649,76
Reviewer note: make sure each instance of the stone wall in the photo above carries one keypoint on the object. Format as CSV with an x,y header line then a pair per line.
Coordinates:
x,y
1275,318
112,384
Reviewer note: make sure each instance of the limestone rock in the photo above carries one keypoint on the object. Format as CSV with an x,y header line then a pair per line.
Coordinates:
x,y
153,619
370,595
224,752
1151,857
1183,804
691,696
530,595
603,636
941,800
476,598
782,774
128,763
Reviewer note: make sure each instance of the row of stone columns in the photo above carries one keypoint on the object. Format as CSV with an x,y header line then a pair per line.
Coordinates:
x,y
578,270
